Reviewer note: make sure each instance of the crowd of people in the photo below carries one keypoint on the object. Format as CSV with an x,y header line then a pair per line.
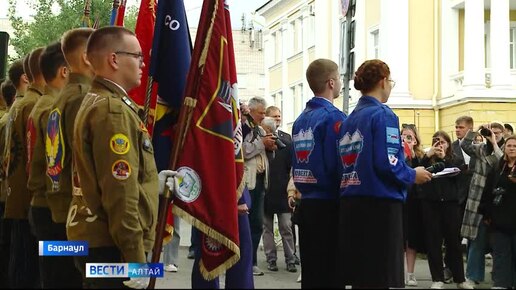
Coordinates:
x,y
368,178
78,164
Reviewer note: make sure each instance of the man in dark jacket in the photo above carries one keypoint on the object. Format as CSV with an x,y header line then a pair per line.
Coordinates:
x,y
276,201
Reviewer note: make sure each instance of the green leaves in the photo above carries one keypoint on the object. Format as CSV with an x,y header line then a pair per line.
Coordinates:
x,y
54,17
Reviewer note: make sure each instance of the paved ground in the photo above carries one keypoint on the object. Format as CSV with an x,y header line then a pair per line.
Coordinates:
x,y
281,279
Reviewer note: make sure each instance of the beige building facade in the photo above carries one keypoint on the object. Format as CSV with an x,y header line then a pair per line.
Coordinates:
x,y
448,57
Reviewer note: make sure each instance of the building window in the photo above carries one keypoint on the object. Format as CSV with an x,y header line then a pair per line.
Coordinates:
x,y
278,100
512,43
311,31
375,41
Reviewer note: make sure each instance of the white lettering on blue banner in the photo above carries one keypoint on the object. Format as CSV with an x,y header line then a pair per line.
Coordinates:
x,y
63,248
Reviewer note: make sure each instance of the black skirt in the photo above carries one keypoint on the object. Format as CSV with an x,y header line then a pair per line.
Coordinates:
x,y
371,242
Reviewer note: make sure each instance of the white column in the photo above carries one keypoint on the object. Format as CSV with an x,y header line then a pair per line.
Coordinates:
x,y
288,100
474,46
306,30
394,44
268,48
449,48
500,28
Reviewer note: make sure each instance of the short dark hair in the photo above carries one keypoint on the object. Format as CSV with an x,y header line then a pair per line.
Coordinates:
x,y
105,39
369,74
26,68
508,127
34,68
73,40
15,72
271,109
318,73
497,125
8,92
464,119
51,60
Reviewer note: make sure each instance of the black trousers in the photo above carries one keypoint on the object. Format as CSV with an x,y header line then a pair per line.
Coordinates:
x,y
5,245
256,214
441,221
318,242
100,255
55,271
23,262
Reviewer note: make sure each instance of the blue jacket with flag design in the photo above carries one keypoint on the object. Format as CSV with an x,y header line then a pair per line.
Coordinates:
x,y
372,162
315,160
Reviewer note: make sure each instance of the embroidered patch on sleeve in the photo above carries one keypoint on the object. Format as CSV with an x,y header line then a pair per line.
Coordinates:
x,y
54,148
392,151
119,144
393,160
393,135
121,170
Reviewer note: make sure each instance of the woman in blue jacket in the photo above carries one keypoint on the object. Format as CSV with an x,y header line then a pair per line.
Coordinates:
x,y
374,179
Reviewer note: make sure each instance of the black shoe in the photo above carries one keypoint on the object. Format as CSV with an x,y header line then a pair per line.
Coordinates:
x,y
296,260
272,266
291,268
191,255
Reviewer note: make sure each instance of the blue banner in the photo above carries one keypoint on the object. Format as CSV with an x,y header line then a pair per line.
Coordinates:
x,y
63,248
170,61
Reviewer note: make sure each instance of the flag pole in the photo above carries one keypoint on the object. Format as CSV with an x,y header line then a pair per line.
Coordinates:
x,y
148,96
86,16
183,123
114,12
185,117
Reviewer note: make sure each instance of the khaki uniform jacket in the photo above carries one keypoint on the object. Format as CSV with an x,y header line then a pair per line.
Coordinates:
x,y
3,187
59,138
36,142
114,160
15,155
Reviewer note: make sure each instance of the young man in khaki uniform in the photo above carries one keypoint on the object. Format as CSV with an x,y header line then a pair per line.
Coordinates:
x,y
59,136
23,266
113,156
18,79
55,72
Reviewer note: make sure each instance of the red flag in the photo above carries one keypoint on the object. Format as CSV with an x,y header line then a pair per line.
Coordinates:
x,y
145,32
121,13
211,163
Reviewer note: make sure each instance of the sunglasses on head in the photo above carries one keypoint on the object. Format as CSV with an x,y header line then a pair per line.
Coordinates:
x,y
410,126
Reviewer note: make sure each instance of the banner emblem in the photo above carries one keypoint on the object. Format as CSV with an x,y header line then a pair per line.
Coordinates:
x,y
189,184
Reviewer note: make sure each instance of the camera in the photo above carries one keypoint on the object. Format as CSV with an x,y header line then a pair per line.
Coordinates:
x,y
485,132
278,141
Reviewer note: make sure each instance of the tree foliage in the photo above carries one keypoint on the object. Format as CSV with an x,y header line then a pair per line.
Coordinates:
x,y
47,26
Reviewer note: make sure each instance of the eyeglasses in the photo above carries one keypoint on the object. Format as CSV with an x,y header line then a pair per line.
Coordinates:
x,y
393,83
138,55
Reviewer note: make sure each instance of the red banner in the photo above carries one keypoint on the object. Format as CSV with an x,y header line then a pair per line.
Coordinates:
x,y
211,163
145,32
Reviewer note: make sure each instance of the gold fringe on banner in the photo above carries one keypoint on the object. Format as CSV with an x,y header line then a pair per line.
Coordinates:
x,y
216,236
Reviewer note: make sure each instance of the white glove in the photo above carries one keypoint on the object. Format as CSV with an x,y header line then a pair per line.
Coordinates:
x,y
137,283
167,177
